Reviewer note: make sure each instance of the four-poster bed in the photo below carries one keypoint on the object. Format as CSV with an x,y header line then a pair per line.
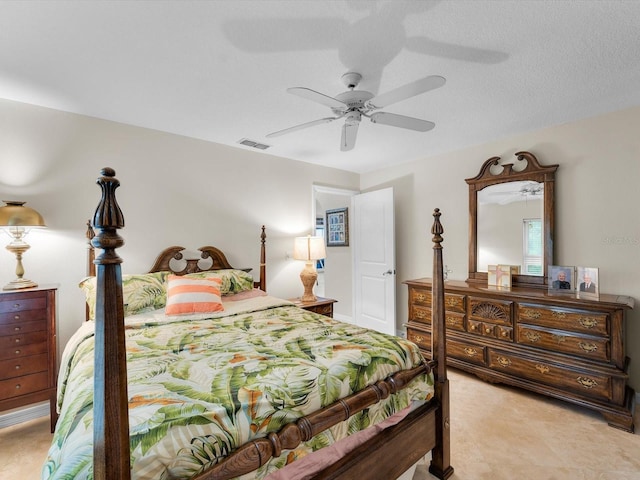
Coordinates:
x,y
367,379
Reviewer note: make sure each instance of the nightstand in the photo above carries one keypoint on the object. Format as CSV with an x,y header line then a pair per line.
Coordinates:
x,y
323,306
28,348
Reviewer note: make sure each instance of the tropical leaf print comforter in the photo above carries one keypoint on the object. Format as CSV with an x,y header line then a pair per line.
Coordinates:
x,y
201,387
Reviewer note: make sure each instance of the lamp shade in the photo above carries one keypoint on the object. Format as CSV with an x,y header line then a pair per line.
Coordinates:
x,y
308,248
15,214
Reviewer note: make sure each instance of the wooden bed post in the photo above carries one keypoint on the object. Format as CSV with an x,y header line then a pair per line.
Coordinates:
x,y
110,403
263,261
440,457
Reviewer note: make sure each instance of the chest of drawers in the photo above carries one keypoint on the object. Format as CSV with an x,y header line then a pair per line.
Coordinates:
x,y
553,344
28,348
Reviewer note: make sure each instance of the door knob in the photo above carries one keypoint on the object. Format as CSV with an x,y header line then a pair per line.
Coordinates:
x,y
389,272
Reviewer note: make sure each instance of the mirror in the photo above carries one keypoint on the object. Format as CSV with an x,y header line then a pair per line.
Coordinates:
x,y
511,219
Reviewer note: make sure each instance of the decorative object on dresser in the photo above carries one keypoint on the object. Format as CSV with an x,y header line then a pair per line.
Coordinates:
x,y
17,220
323,306
567,348
310,250
497,224
28,348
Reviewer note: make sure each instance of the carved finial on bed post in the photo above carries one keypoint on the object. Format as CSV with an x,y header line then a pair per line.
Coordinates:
x,y
111,415
440,456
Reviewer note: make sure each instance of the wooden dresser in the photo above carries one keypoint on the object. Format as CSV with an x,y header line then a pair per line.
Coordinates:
x,y
556,345
28,348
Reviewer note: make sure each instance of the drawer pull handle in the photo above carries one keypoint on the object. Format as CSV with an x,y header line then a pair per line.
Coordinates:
x,y
471,352
528,313
487,330
18,386
16,317
17,367
16,305
18,352
504,361
533,337
588,347
559,315
474,327
587,382
421,297
588,322
542,368
505,333
16,329
17,340
559,338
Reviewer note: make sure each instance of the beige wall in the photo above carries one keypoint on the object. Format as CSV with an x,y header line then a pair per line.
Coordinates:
x,y
174,191
597,206
180,191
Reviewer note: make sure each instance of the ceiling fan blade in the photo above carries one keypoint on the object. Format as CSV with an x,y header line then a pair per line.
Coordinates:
x,y
301,126
406,91
402,121
349,134
316,97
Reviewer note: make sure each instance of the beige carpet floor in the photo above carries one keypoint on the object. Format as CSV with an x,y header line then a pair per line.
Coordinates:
x,y
497,433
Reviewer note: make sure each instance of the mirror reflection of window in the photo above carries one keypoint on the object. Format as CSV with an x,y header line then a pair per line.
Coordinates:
x,y
532,246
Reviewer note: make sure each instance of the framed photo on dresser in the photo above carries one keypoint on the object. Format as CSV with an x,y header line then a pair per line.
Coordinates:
x,y
588,282
561,279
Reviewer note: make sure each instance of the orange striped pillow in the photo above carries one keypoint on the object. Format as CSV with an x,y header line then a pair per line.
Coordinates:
x,y
193,295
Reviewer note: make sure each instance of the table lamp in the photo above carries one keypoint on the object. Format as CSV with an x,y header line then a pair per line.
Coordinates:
x,y
308,249
17,220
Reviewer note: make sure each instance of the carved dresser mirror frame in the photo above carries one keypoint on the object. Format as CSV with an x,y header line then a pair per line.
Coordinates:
x,y
533,172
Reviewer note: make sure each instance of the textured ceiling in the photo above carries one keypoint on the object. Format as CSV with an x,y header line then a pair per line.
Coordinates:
x,y
219,70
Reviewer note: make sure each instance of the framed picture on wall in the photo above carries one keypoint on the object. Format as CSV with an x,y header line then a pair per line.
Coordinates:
x,y
337,227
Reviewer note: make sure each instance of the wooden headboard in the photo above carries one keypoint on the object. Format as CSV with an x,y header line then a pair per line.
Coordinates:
x,y
163,261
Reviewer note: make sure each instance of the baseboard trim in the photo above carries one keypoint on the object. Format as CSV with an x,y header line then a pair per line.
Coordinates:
x,y
343,318
24,415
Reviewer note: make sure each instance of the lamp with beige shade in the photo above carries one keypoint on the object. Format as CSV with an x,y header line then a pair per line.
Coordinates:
x,y
310,249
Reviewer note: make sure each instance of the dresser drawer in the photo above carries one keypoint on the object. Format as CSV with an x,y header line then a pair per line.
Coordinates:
x,y
14,387
23,350
592,384
420,338
22,316
420,313
455,303
495,311
454,321
592,323
25,327
468,352
420,296
23,366
594,348
14,341
34,302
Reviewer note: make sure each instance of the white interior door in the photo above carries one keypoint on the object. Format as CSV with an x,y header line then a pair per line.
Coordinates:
x,y
374,261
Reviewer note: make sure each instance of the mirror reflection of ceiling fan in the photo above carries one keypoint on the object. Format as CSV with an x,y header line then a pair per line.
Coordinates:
x,y
354,104
509,192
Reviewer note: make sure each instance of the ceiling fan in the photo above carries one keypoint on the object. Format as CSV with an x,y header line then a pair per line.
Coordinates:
x,y
354,104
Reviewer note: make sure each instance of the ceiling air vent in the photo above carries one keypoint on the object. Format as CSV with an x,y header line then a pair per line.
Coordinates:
x,y
250,143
